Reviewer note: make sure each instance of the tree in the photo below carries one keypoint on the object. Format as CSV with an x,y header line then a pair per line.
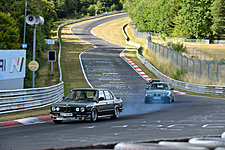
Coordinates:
x,y
72,5
9,32
218,13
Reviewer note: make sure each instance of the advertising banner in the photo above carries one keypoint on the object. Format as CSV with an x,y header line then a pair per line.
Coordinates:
x,y
12,64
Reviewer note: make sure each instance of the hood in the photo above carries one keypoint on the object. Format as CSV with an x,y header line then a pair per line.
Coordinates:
x,y
72,104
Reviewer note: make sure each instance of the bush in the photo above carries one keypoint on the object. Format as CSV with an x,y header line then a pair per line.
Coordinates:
x,y
179,47
179,73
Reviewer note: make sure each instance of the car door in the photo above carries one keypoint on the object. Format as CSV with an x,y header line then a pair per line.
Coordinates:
x,y
110,101
102,104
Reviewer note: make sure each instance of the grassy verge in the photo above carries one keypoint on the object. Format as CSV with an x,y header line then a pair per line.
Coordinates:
x,y
71,48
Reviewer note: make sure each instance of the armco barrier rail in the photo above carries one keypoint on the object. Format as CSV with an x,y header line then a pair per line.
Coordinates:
x,y
26,99
197,88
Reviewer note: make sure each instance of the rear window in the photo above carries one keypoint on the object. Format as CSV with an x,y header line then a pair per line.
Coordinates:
x,y
162,86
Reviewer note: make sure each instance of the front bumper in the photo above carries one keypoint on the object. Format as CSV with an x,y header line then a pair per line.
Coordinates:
x,y
157,99
73,117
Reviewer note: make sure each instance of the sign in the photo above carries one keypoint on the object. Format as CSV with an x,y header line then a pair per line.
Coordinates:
x,y
50,41
12,64
24,46
33,66
52,55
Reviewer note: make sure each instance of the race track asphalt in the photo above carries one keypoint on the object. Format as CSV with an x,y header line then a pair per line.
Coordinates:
x,y
189,116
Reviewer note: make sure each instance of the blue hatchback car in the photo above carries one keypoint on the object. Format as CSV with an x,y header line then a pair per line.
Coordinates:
x,y
159,92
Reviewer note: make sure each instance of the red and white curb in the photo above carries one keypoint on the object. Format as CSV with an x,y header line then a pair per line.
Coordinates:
x,y
135,67
26,121
139,71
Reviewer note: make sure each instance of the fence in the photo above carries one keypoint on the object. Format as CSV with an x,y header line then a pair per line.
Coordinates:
x,y
197,88
203,55
190,52
213,70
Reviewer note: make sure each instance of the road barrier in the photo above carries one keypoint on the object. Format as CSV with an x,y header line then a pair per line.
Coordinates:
x,y
26,99
197,88
32,98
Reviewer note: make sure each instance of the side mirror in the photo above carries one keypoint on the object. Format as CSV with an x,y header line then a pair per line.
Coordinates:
x,y
101,98
172,89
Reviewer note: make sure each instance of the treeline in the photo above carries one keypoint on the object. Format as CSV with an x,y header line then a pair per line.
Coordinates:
x,y
12,17
192,19
12,21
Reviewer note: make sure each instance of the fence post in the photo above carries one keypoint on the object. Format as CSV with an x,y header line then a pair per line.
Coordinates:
x,y
200,62
167,52
182,60
217,70
187,62
172,55
193,61
208,67
159,49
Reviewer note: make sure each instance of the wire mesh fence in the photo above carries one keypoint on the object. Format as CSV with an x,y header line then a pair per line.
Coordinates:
x,y
204,66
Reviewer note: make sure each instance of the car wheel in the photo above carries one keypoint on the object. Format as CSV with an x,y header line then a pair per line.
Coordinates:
x,y
116,113
57,121
94,115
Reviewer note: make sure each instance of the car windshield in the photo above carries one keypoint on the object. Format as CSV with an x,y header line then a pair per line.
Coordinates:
x,y
81,95
160,86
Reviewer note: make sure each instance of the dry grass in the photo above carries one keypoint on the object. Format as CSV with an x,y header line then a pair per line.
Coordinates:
x,y
166,67
212,48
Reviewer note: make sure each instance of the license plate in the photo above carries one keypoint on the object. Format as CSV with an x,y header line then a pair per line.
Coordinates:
x,y
156,97
66,114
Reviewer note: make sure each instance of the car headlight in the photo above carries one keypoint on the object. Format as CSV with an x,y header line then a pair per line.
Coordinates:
x,y
149,95
57,108
53,108
77,109
82,109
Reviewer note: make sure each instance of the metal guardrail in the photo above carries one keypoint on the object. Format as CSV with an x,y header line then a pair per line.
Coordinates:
x,y
26,99
197,88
